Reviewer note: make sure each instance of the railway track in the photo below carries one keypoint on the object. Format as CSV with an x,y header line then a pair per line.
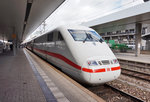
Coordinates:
x,y
138,66
136,74
112,94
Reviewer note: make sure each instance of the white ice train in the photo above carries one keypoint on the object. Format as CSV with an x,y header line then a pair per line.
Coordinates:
x,y
80,52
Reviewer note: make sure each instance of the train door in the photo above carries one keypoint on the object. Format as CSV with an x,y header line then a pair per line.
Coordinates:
x,y
32,45
56,48
55,37
44,41
50,46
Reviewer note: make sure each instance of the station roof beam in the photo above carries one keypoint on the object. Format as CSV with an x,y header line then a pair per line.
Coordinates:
x,y
21,17
139,14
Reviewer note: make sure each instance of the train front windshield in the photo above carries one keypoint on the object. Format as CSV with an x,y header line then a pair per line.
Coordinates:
x,y
85,35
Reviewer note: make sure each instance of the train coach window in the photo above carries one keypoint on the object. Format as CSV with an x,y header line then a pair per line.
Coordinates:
x,y
60,38
37,40
50,37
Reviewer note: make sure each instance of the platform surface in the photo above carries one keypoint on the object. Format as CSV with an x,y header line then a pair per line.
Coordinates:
x,y
19,82
144,58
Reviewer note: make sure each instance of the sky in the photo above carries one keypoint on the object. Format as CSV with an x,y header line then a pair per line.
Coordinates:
x,y
81,11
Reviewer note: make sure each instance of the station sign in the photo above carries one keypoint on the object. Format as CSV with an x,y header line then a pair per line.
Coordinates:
x,y
14,36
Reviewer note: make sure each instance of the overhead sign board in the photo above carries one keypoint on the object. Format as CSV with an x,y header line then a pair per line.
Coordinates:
x,y
14,36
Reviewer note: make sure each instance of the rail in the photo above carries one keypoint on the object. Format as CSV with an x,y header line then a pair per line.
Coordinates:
x,y
136,66
112,94
136,74
133,98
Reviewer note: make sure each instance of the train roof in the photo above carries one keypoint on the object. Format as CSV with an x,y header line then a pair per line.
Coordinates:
x,y
80,27
76,27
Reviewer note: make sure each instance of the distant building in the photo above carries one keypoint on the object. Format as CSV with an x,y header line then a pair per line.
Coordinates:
x,y
125,34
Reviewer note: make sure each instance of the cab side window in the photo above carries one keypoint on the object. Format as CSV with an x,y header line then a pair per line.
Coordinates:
x,y
50,36
60,38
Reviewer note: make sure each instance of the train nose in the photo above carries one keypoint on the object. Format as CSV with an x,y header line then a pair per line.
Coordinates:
x,y
100,75
97,72
106,76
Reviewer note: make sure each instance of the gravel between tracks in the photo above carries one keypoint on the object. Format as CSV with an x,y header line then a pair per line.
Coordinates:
x,y
108,94
137,88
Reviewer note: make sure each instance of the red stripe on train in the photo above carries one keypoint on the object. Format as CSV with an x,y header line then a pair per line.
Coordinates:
x,y
115,68
100,70
87,70
73,64
94,71
60,57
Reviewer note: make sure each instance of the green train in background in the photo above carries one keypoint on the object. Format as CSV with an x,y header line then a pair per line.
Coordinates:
x,y
115,46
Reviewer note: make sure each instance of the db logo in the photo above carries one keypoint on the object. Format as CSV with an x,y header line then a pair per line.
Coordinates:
x,y
108,69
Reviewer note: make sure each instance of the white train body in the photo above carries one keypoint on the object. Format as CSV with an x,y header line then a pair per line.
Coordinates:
x,y
80,52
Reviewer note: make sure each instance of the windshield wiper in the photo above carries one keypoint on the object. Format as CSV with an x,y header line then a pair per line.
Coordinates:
x,y
89,36
85,38
96,39
101,40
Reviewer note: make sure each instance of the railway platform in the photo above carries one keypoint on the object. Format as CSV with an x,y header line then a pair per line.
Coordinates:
x,y
27,78
143,58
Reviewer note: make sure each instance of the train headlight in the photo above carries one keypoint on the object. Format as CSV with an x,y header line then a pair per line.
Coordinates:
x,y
92,63
115,61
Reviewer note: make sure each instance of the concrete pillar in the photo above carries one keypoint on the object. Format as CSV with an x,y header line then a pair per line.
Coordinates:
x,y
14,47
147,44
111,38
138,28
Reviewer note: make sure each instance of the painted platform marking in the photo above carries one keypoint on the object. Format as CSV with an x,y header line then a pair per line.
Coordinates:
x,y
52,87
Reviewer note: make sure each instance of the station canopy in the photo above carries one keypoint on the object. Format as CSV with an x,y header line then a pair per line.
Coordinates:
x,y
25,19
